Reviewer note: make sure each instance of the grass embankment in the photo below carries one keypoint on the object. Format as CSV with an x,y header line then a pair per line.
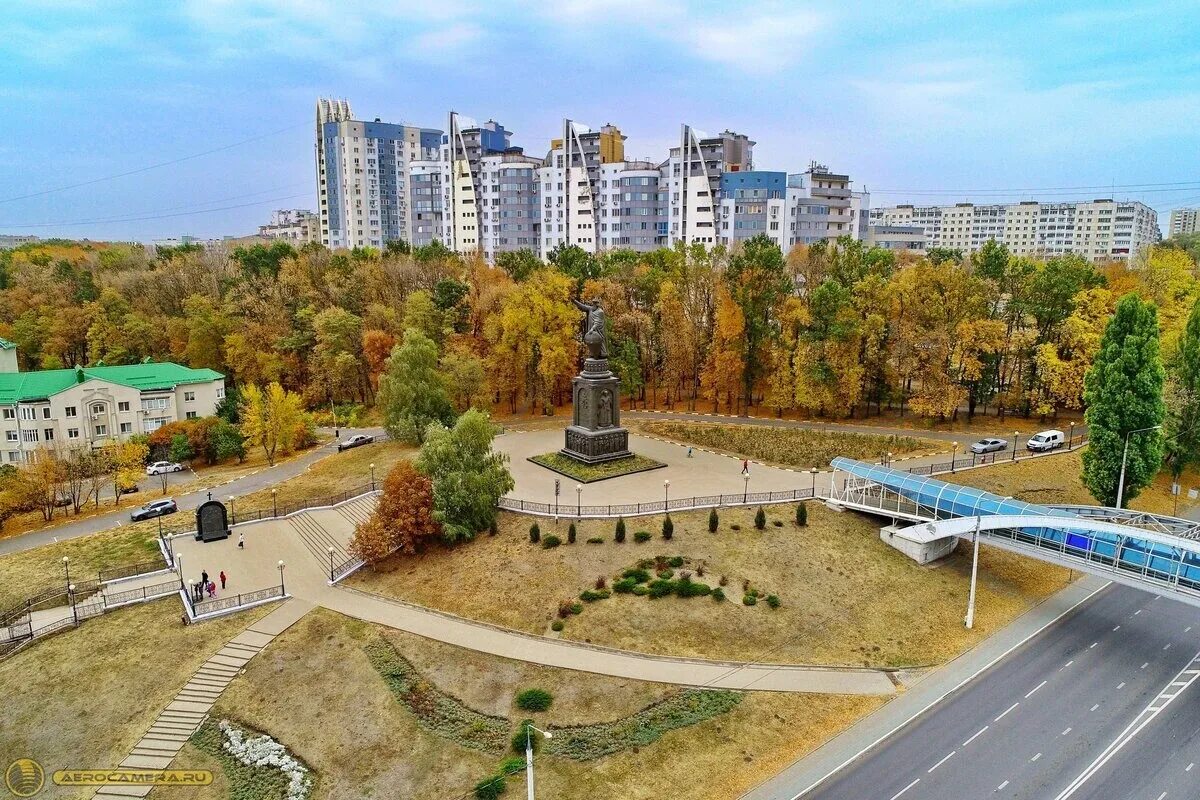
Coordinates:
x,y
375,747
587,473
847,597
83,698
788,447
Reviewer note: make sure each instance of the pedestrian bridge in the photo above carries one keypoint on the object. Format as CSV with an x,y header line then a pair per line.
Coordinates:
x,y
1156,553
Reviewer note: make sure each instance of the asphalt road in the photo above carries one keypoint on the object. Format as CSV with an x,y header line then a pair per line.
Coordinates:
x,y
151,490
1034,726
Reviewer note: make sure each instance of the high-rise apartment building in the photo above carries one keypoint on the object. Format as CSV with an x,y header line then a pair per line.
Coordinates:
x,y
694,171
362,176
1099,230
571,185
1184,220
463,151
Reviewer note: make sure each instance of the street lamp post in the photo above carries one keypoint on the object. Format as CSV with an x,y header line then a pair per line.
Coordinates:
x,y
1016,441
666,495
578,501
282,589
67,568
330,566
529,728
889,459
813,472
71,597
179,564
557,490
1071,437
372,476
746,488
1124,456
274,502
232,513
953,455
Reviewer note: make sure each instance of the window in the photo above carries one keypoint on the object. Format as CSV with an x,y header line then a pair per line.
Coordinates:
x,y
123,406
10,413
28,413
48,434
70,411
12,436
189,397
72,433
126,427
14,455
29,436
46,412
191,415
101,430
154,404
97,408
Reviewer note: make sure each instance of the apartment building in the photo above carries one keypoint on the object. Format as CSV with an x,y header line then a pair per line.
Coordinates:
x,y
295,225
896,237
1184,220
571,187
89,406
694,171
1099,230
362,176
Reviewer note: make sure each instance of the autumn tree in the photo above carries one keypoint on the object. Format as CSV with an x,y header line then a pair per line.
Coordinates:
x,y
1183,398
758,281
411,391
272,419
1124,393
126,461
725,367
403,519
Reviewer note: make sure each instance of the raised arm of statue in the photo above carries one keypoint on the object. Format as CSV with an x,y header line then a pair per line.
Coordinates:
x,y
584,307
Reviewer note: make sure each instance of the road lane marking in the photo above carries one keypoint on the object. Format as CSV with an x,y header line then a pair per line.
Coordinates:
x,y
943,761
1161,796
906,788
1040,685
1069,663
1064,733
1116,629
1188,628
1036,757
1188,768
1093,645
1167,646
1133,729
1000,788
1093,708
1010,708
976,736
1144,665
1121,685
1137,612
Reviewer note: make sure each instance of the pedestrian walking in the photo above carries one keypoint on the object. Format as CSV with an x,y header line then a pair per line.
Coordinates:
x,y
746,467
241,540
204,578
212,589
689,452
222,579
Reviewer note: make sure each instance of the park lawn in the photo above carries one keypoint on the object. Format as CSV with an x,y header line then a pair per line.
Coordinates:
x,y
83,698
315,691
788,447
27,572
588,473
847,598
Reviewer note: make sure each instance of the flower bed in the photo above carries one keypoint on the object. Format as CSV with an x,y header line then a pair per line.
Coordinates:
x,y
255,765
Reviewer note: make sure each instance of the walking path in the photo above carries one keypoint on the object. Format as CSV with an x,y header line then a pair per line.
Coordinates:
x,y
179,720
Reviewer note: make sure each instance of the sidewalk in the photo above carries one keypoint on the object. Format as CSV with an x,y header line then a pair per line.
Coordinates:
x,y
805,774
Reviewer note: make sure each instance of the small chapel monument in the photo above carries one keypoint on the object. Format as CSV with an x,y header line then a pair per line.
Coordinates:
x,y
595,433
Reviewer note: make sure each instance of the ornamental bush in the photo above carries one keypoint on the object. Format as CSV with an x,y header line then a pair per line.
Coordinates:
x,y
760,519
668,528
641,590
571,533
493,527
661,588
718,594
624,586
534,700
713,521
749,600
557,625
535,533
490,787
637,575
619,535
551,541
595,540
802,515
675,561
689,588
773,601
641,536
592,595
519,738
665,573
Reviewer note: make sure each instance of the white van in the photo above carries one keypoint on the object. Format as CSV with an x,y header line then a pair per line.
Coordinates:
x,y
1045,441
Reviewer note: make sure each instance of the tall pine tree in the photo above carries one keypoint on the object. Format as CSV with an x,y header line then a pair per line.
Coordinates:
x,y
1124,392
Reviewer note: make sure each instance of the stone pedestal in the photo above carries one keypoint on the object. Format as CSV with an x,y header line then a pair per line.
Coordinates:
x,y
595,433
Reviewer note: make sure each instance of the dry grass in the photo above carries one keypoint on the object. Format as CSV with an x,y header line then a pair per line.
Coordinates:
x,y
84,698
297,690
788,447
848,598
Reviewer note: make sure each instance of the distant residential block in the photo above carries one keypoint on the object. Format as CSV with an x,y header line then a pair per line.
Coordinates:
x,y
1184,220
296,225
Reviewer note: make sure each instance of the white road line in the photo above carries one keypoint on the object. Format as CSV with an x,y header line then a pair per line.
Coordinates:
x,y
1188,628
943,761
1000,788
1126,736
1188,768
1036,757
1116,629
906,788
1010,708
1064,733
1093,645
1144,665
1161,796
1069,663
1121,685
1137,612
1034,689
1167,646
976,736
1093,708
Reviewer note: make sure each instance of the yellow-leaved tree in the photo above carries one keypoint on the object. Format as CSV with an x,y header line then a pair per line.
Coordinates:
x,y
272,419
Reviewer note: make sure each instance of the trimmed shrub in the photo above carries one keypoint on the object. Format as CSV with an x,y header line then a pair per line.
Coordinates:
x,y
645,563
577,608
713,521
624,586
638,575
777,523
551,541
735,527
666,573
511,765
749,600
760,519
641,590
689,588
492,786
718,594
557,625
535,533
802,515
592,595
595,540
641,536
675,561
518,739
571,533
493,527
619,535
534,700
661,588
668,528
773,601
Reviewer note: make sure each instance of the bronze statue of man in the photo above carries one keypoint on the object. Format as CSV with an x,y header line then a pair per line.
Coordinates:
x,y
594,335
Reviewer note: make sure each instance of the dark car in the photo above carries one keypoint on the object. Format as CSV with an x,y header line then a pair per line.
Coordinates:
x,y
357,440
155,508
130,489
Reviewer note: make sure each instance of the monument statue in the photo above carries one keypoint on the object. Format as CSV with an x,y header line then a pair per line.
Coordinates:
x,y
595,433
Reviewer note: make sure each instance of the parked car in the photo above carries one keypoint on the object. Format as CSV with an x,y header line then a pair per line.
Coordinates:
x,y
989,446
159,467
130,489
155,508
357,440
1046,441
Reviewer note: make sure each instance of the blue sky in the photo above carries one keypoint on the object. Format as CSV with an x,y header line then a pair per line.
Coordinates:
x,y
955,97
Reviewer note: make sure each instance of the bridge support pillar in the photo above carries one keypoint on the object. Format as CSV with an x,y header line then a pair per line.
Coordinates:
x,y
920,552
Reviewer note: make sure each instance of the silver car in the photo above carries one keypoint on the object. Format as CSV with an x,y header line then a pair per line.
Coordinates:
x,y
989,446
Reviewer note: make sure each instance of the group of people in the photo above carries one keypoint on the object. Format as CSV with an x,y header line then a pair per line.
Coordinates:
x,y
205,586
